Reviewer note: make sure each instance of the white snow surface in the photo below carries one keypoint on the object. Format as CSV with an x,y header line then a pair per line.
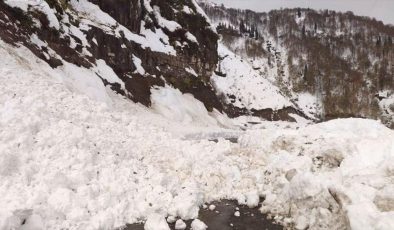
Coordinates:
x,y
71,160
251,89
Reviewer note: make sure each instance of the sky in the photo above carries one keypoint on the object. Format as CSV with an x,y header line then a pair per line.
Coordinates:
x,y
380,9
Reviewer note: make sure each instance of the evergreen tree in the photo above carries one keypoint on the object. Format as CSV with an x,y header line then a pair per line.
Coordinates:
x,y
379,41
242,28
299,12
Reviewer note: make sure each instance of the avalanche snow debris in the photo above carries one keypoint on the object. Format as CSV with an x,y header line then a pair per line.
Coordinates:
x,y
74,155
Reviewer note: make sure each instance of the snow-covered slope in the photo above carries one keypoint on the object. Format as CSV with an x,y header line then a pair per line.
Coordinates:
x,y
146,43
71,161
245,87
329,64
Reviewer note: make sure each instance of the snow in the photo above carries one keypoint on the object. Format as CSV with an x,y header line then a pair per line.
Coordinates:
x,y
35,40
137,62
156,222
191,71
75,155
180,225
157,41
172,26
91,14
178,107
84,81
309,104
250,88
187,10
191,37
41,6
107,73
198,225
171,219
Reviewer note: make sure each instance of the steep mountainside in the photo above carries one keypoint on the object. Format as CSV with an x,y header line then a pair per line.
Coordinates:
x,y
147,43
330,64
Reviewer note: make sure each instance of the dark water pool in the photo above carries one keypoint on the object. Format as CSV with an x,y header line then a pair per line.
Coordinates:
x,y
223,218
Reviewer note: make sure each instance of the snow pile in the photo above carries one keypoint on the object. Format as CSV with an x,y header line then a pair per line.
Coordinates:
x,y
245,87
329,175
69,162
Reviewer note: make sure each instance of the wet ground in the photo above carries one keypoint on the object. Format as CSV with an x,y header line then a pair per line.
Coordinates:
x,y
223,218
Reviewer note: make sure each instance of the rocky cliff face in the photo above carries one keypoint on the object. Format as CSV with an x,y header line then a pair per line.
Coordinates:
x,y
147,43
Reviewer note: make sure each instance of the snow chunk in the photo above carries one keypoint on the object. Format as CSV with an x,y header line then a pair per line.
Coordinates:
x,y
156,222
252,199
198,225
180,225
304,185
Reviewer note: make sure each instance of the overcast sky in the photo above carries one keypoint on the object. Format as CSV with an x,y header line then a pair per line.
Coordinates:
x,y
379,9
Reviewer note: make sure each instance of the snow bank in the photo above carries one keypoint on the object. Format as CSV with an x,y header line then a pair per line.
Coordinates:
x,y
332,175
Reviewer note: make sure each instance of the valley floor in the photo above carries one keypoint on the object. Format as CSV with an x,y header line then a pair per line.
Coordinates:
x,y
68,161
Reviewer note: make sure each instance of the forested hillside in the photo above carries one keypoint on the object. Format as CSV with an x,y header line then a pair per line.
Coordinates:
x,y
345,62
